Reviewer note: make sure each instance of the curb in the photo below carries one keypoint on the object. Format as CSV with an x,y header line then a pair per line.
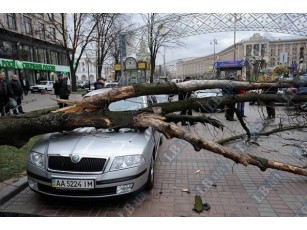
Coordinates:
x,y
11,190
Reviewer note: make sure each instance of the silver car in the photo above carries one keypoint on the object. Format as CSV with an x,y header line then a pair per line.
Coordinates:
x,y
90,163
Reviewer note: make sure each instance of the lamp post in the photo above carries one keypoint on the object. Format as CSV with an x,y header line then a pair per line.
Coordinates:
x,y
87,60
214,42
235,19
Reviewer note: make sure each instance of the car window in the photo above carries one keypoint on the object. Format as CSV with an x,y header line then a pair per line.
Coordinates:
x,y
128,104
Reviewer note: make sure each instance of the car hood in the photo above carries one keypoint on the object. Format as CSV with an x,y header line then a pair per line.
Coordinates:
x,y
92,142
201,95
39,86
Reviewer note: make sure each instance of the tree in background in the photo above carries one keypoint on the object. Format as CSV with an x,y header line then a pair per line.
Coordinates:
x,y
75,34
160,31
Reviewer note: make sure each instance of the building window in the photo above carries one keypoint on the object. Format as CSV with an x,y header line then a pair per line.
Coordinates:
x,y
41,53
11,21
53,57
41,31
27,25
52,34
263,49
248,50
26,53
256,49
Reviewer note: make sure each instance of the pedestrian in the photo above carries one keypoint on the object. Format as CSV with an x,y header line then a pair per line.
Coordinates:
x,y
230,107
64,91
240,105
5,94
25,85
57,86
17,92
100,83
183,96
270,105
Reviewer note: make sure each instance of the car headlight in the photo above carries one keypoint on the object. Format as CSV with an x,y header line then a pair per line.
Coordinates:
x,y
37,159
124,162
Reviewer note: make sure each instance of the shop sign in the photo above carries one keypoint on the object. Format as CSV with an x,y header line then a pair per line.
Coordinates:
x,y
15,64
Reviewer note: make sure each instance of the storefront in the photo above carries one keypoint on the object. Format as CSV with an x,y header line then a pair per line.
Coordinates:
x,y
32,71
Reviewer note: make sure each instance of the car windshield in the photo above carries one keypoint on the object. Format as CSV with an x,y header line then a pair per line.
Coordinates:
x,y
42,83
217,91
128,104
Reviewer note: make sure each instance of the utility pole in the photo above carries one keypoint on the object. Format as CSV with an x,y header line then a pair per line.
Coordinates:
x,y
235,20
122,46
164,64
214,42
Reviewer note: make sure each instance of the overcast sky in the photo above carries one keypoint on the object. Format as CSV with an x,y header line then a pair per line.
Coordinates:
x,y
195,46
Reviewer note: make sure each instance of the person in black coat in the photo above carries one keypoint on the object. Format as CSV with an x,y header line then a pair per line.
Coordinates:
x,y
64,91
5,94
57,86
270,105
25,85
230,107
17,92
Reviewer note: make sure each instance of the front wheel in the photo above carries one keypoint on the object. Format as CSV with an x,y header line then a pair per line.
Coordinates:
x,y
151,176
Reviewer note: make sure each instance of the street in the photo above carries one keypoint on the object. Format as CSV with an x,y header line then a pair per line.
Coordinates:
x,y
181,173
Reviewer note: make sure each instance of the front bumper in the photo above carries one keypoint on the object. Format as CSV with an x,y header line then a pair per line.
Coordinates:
x,y
106,184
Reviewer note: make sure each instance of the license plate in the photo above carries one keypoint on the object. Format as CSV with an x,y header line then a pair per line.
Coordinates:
x,y
72,184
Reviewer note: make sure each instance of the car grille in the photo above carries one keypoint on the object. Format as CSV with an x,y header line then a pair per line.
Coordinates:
x,y
60,163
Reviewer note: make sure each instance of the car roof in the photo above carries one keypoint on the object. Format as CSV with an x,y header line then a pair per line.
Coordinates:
x,y
97,91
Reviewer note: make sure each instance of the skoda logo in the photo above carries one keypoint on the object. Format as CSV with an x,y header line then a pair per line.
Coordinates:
x,y
75,158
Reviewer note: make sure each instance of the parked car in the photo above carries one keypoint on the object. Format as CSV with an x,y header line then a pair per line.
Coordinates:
x,y
95,163
111,84
212,105
42,85
83,84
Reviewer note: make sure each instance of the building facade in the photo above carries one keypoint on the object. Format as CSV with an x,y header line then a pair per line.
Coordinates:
x,y
28,46
274,51
86,70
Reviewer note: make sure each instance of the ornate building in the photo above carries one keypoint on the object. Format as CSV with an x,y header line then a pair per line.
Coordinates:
x,y
28,46
274,51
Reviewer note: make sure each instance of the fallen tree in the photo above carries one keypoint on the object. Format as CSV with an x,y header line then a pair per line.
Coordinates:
x,y
93,112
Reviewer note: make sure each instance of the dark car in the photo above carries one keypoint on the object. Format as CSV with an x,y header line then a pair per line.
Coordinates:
x,y
213,105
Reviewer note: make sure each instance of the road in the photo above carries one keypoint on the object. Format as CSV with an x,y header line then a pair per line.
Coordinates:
x,y
230,189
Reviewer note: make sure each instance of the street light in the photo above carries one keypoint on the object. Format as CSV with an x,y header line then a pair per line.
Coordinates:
x,y
214,42
87,60
235,19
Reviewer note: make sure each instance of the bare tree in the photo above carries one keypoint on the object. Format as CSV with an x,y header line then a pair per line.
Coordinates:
x,y
74,35
160,33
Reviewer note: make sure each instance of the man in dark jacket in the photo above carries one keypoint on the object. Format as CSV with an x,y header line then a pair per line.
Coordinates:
x,y
100,83
5,93
230,107
270,105
17,92
25,85
64,91
57,86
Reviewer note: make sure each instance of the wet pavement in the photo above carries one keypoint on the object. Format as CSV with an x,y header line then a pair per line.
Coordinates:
x,y
182,173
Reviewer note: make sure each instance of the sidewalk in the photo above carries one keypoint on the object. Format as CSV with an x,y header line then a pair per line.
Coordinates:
x,y
182,173
31,102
